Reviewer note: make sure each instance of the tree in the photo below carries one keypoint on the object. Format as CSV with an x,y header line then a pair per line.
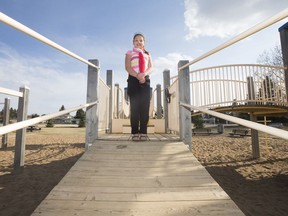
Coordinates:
x,y
62,108
49,123
82,122
80,114
198,121
34,115
272,57
13,113
269,88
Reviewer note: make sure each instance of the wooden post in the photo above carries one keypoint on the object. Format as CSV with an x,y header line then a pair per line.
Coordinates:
x,y
117,100
166,84
20,141
184,97
255,139
283,30
109,82
159,103
254,133
92,112
6,115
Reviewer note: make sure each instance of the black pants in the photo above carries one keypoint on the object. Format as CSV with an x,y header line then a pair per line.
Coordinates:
x,y
139,95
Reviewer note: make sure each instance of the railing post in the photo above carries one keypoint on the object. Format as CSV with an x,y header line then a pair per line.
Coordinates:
x,y
254,133
159,103
166,84
6,114
117,100
109,82
184,97
20,141
255,139
92,112
283,30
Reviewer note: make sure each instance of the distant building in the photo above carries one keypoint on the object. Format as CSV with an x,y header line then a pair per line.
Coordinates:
x,y
65,119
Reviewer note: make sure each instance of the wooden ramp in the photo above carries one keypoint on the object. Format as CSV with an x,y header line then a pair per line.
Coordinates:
x,y
123,178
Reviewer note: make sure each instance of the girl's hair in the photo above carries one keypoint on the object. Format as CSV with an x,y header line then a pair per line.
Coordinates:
x,y
140,34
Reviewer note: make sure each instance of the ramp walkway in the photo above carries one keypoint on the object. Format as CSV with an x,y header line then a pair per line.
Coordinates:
x,y
120,177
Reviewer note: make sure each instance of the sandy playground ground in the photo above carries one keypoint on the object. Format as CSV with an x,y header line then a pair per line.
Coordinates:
x,y
258,187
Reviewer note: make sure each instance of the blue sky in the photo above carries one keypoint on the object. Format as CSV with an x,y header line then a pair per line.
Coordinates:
x,y
103,29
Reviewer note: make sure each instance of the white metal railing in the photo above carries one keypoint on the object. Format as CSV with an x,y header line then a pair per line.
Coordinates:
x,y
13,23
11,92
229,84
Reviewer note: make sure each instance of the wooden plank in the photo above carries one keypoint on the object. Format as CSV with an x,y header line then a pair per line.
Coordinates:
x,y
147,178
97,208
150,196
80,170
169,181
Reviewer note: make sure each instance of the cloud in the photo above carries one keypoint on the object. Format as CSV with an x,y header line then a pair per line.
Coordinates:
x,y
50,85
226,18
168,62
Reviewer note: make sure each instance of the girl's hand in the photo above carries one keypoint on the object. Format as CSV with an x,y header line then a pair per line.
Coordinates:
x,y
142,81
140,76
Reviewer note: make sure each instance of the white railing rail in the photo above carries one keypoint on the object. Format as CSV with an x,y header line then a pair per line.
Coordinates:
x,y
13,23
259,127
26,123
270,21
11,92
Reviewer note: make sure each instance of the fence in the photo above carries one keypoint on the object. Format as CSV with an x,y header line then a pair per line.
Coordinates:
x,y
93,111
230,84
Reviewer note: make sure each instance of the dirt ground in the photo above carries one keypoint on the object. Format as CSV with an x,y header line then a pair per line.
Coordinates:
x,y
258,187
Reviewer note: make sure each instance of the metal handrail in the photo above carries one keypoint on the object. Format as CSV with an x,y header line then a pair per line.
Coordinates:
x,y
266,129
13,23
11,92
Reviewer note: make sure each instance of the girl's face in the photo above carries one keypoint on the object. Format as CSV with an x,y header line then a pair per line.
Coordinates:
x,y
139,42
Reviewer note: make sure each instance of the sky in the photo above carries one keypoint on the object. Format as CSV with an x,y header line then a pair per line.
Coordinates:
x,y
103,29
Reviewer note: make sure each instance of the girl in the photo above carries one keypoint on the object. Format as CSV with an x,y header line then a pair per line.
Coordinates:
x,y
138,64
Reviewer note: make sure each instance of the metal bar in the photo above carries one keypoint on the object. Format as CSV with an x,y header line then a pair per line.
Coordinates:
x,y
20,27
11,92
266,129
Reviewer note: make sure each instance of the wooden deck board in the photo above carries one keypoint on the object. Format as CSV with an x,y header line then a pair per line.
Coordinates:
x,y
137,179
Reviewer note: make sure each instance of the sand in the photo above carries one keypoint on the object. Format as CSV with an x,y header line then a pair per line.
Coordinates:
x,y
258,187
